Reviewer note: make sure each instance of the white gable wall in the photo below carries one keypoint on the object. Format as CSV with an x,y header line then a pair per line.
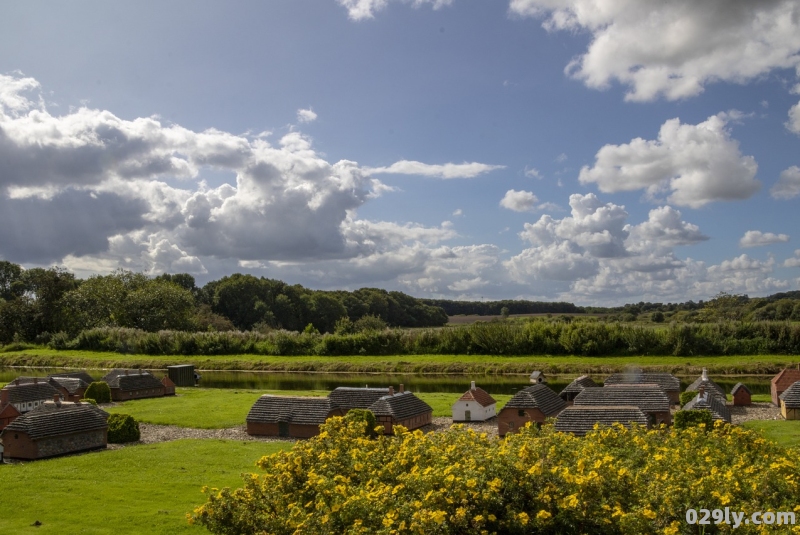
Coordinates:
x,y
478,413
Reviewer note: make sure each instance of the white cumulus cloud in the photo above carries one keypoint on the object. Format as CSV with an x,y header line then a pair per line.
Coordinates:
x,y
366,9
788,186
673,49
446,171
519,201
755,238
306,115
793,124
695,164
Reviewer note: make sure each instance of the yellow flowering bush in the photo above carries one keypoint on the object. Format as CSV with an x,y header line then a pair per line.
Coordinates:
x,y
614,480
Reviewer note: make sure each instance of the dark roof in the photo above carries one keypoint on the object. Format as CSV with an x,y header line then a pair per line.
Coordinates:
x,y
71,384
708,385
791,396
739,386
537,397
348,397
25,392
400,406
271,409
667,381
479,396
584,381
82,375
711,402
649,398
580,419
134,380
65,420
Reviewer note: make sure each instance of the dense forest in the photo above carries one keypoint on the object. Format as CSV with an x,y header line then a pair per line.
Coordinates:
x,y
495,308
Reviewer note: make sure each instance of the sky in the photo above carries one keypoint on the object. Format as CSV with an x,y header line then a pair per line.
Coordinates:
x,y
600,152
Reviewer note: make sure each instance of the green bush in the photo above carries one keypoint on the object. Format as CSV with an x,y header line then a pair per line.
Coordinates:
x,y
693,418
686,397
98,391
122,428
90,401
365,417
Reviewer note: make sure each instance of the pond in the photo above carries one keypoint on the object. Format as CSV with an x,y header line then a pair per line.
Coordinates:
x,y
496,384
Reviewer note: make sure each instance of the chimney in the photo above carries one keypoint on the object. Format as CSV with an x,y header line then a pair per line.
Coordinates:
x,y
402,388
705,375
472,385
57,399
701,392
126,372
36,380
16,382
391,390
3,397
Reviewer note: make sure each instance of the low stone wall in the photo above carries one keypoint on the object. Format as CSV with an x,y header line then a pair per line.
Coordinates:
x,y
61,445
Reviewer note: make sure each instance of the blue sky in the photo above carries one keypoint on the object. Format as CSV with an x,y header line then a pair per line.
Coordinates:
x,y
593,151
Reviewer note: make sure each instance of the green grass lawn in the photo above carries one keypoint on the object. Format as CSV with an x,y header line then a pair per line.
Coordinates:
x,y
784,432
401,363
216,408
134,490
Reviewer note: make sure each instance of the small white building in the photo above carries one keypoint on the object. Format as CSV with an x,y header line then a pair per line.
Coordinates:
x,y
476,405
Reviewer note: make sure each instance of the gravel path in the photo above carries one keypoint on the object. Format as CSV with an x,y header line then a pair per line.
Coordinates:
x,y
164,433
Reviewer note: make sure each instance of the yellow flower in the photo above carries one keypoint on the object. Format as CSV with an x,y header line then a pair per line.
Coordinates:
x,y
541,515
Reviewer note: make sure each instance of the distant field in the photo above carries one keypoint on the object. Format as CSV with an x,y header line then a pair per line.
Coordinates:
x,y
217,408
453,364
466,319
134,490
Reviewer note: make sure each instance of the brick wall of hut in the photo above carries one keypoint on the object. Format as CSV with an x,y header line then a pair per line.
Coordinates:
x,y
124,395
742,398
511,419
411,423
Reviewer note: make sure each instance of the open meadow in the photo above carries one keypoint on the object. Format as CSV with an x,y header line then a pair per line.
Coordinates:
x,y
429,363
132,490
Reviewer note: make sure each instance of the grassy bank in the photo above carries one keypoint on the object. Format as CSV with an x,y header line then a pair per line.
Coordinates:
x,y
451,364
217,408
134,490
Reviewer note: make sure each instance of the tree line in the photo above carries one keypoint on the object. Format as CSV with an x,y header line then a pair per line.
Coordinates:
x,y
37,303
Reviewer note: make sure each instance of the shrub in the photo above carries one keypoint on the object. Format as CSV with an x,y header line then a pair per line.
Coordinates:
x,y
686,397
365,418
612,481
90,401
122,428
98,391
693,418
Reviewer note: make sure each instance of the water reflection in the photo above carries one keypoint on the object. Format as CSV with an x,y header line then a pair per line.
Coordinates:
x,y
497,384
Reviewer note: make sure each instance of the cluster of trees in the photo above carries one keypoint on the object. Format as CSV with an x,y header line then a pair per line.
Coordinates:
x,y
37,303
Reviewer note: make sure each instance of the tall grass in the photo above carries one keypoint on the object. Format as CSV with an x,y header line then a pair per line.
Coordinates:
x,y
540,337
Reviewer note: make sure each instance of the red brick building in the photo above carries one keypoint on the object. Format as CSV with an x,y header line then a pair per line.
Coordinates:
x,y
741,395
169,386
55,429
290,416
782,381
401,408
25,394
533,404
8,413
133,384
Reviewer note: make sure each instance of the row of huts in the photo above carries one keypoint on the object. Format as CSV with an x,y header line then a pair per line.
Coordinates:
x,y
44,417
